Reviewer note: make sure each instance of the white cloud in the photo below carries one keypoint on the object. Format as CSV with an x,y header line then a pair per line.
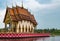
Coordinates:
x,y
2,13
55,1
33,4
30,4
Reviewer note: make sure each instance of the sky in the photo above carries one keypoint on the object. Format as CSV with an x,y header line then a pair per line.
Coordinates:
x,y
46,12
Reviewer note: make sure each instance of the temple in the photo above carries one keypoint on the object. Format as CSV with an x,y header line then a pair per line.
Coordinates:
x,y
19,20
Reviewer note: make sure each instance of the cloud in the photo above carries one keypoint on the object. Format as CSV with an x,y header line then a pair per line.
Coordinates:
x,y
2,14
55,1
34,4
39,10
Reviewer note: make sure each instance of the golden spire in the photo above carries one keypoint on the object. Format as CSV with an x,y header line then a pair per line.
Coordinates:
x,y
12,4
16,4
22,3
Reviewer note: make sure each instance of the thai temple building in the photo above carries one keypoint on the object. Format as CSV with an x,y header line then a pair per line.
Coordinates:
x,y
19,20
19,25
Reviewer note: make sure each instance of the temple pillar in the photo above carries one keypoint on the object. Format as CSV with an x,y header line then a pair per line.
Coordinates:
x,y
33,30
24,29
12,27
17,29
5,26
21,28
30,27
27,30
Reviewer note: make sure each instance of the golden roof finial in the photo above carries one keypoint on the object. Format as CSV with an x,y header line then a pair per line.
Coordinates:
x,y
12,4
22,3
16,4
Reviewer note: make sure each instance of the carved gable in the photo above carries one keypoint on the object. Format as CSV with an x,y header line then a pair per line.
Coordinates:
x,y
7,18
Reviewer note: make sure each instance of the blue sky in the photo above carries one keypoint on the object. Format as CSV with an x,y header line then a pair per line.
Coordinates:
x,y
46,12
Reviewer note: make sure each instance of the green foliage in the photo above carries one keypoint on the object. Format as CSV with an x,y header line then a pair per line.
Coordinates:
x,y
51,31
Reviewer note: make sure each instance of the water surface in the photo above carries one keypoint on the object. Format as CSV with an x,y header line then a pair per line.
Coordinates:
x,y
56,38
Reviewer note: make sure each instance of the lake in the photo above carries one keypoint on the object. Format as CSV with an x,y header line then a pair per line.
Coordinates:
x,y
56,38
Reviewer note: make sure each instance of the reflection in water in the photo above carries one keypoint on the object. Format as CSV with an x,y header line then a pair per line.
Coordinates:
x,y
21,39
24,39
57,38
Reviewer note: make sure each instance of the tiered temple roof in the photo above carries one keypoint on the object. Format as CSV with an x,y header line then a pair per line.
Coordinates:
x,y
19,13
